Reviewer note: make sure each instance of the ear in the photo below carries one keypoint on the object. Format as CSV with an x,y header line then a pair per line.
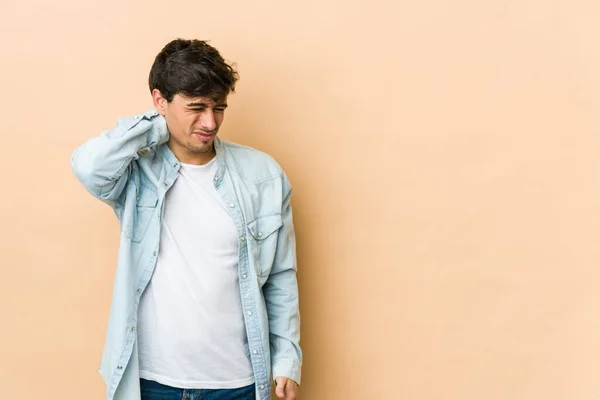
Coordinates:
x,y
160,103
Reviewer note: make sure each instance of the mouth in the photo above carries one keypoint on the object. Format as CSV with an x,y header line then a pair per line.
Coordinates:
x,y
205,137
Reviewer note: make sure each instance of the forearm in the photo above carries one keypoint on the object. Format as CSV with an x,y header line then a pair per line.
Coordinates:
x,y
102,164
281,298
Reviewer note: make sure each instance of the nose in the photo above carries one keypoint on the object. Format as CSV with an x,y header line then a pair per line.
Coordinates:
x,y
207,121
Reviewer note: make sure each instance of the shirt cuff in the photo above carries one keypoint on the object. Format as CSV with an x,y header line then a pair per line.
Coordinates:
x,y
288,368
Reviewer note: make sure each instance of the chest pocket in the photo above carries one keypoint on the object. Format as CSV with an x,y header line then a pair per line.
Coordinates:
x,y
264,233
145,208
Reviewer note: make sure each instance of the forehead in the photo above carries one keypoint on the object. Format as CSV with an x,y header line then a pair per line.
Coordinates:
x,y
212,99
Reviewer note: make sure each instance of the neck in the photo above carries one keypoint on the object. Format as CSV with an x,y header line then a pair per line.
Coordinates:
x,y
186,156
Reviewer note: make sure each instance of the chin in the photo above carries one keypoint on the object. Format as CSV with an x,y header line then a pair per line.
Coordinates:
x,y
194,148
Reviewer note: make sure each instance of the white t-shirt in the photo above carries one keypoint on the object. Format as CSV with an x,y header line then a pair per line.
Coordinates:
x,y
190,324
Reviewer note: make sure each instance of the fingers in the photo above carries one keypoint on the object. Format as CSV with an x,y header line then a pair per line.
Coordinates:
x,y
280,387
290,390
285,388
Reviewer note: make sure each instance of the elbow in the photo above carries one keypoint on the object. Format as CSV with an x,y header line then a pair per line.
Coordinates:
x,y
83,168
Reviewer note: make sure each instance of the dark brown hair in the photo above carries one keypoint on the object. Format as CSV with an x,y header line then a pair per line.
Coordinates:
x,y
193,68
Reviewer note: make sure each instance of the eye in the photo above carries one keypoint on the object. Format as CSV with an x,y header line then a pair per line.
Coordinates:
x,y
220,110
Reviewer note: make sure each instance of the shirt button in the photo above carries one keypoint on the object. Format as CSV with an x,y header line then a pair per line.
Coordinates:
x,y
132,328
254,352
166,184
138,290
137,198
232,205
244,276
259,234
262,387
175,165
242,238
249,313
120,367
154,253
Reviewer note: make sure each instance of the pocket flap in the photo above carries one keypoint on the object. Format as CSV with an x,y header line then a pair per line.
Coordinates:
x,y
146,197
262,227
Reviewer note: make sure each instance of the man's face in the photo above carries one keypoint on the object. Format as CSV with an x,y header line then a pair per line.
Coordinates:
x,y
193,123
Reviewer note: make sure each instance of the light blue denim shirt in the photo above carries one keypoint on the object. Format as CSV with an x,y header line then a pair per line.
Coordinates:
x,y
131,169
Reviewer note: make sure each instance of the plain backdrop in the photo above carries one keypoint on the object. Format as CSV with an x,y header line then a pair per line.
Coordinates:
x,y
444,157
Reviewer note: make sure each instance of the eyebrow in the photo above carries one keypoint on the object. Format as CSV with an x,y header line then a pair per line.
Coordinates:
x,y
200,104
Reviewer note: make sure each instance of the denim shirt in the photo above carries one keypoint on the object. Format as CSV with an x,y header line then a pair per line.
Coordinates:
x,y
131,169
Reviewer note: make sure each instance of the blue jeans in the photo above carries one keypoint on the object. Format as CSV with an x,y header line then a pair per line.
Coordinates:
x,y
152,390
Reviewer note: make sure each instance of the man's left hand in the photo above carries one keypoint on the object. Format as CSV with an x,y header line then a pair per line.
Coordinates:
x,y
286,388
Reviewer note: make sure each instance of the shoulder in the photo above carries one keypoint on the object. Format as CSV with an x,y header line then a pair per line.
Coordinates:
x,y
251,163
146,120
135,119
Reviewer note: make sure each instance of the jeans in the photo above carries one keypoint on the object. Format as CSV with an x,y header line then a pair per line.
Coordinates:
x,y
152,390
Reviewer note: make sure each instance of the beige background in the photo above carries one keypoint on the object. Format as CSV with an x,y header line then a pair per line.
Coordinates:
x,y
444,156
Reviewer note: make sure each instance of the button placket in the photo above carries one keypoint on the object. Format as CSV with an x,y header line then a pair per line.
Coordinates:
x,y
250,322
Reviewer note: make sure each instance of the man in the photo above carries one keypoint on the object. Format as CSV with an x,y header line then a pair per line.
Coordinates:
x,y
205,300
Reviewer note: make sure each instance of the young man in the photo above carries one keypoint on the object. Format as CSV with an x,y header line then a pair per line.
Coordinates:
x,y
205,301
